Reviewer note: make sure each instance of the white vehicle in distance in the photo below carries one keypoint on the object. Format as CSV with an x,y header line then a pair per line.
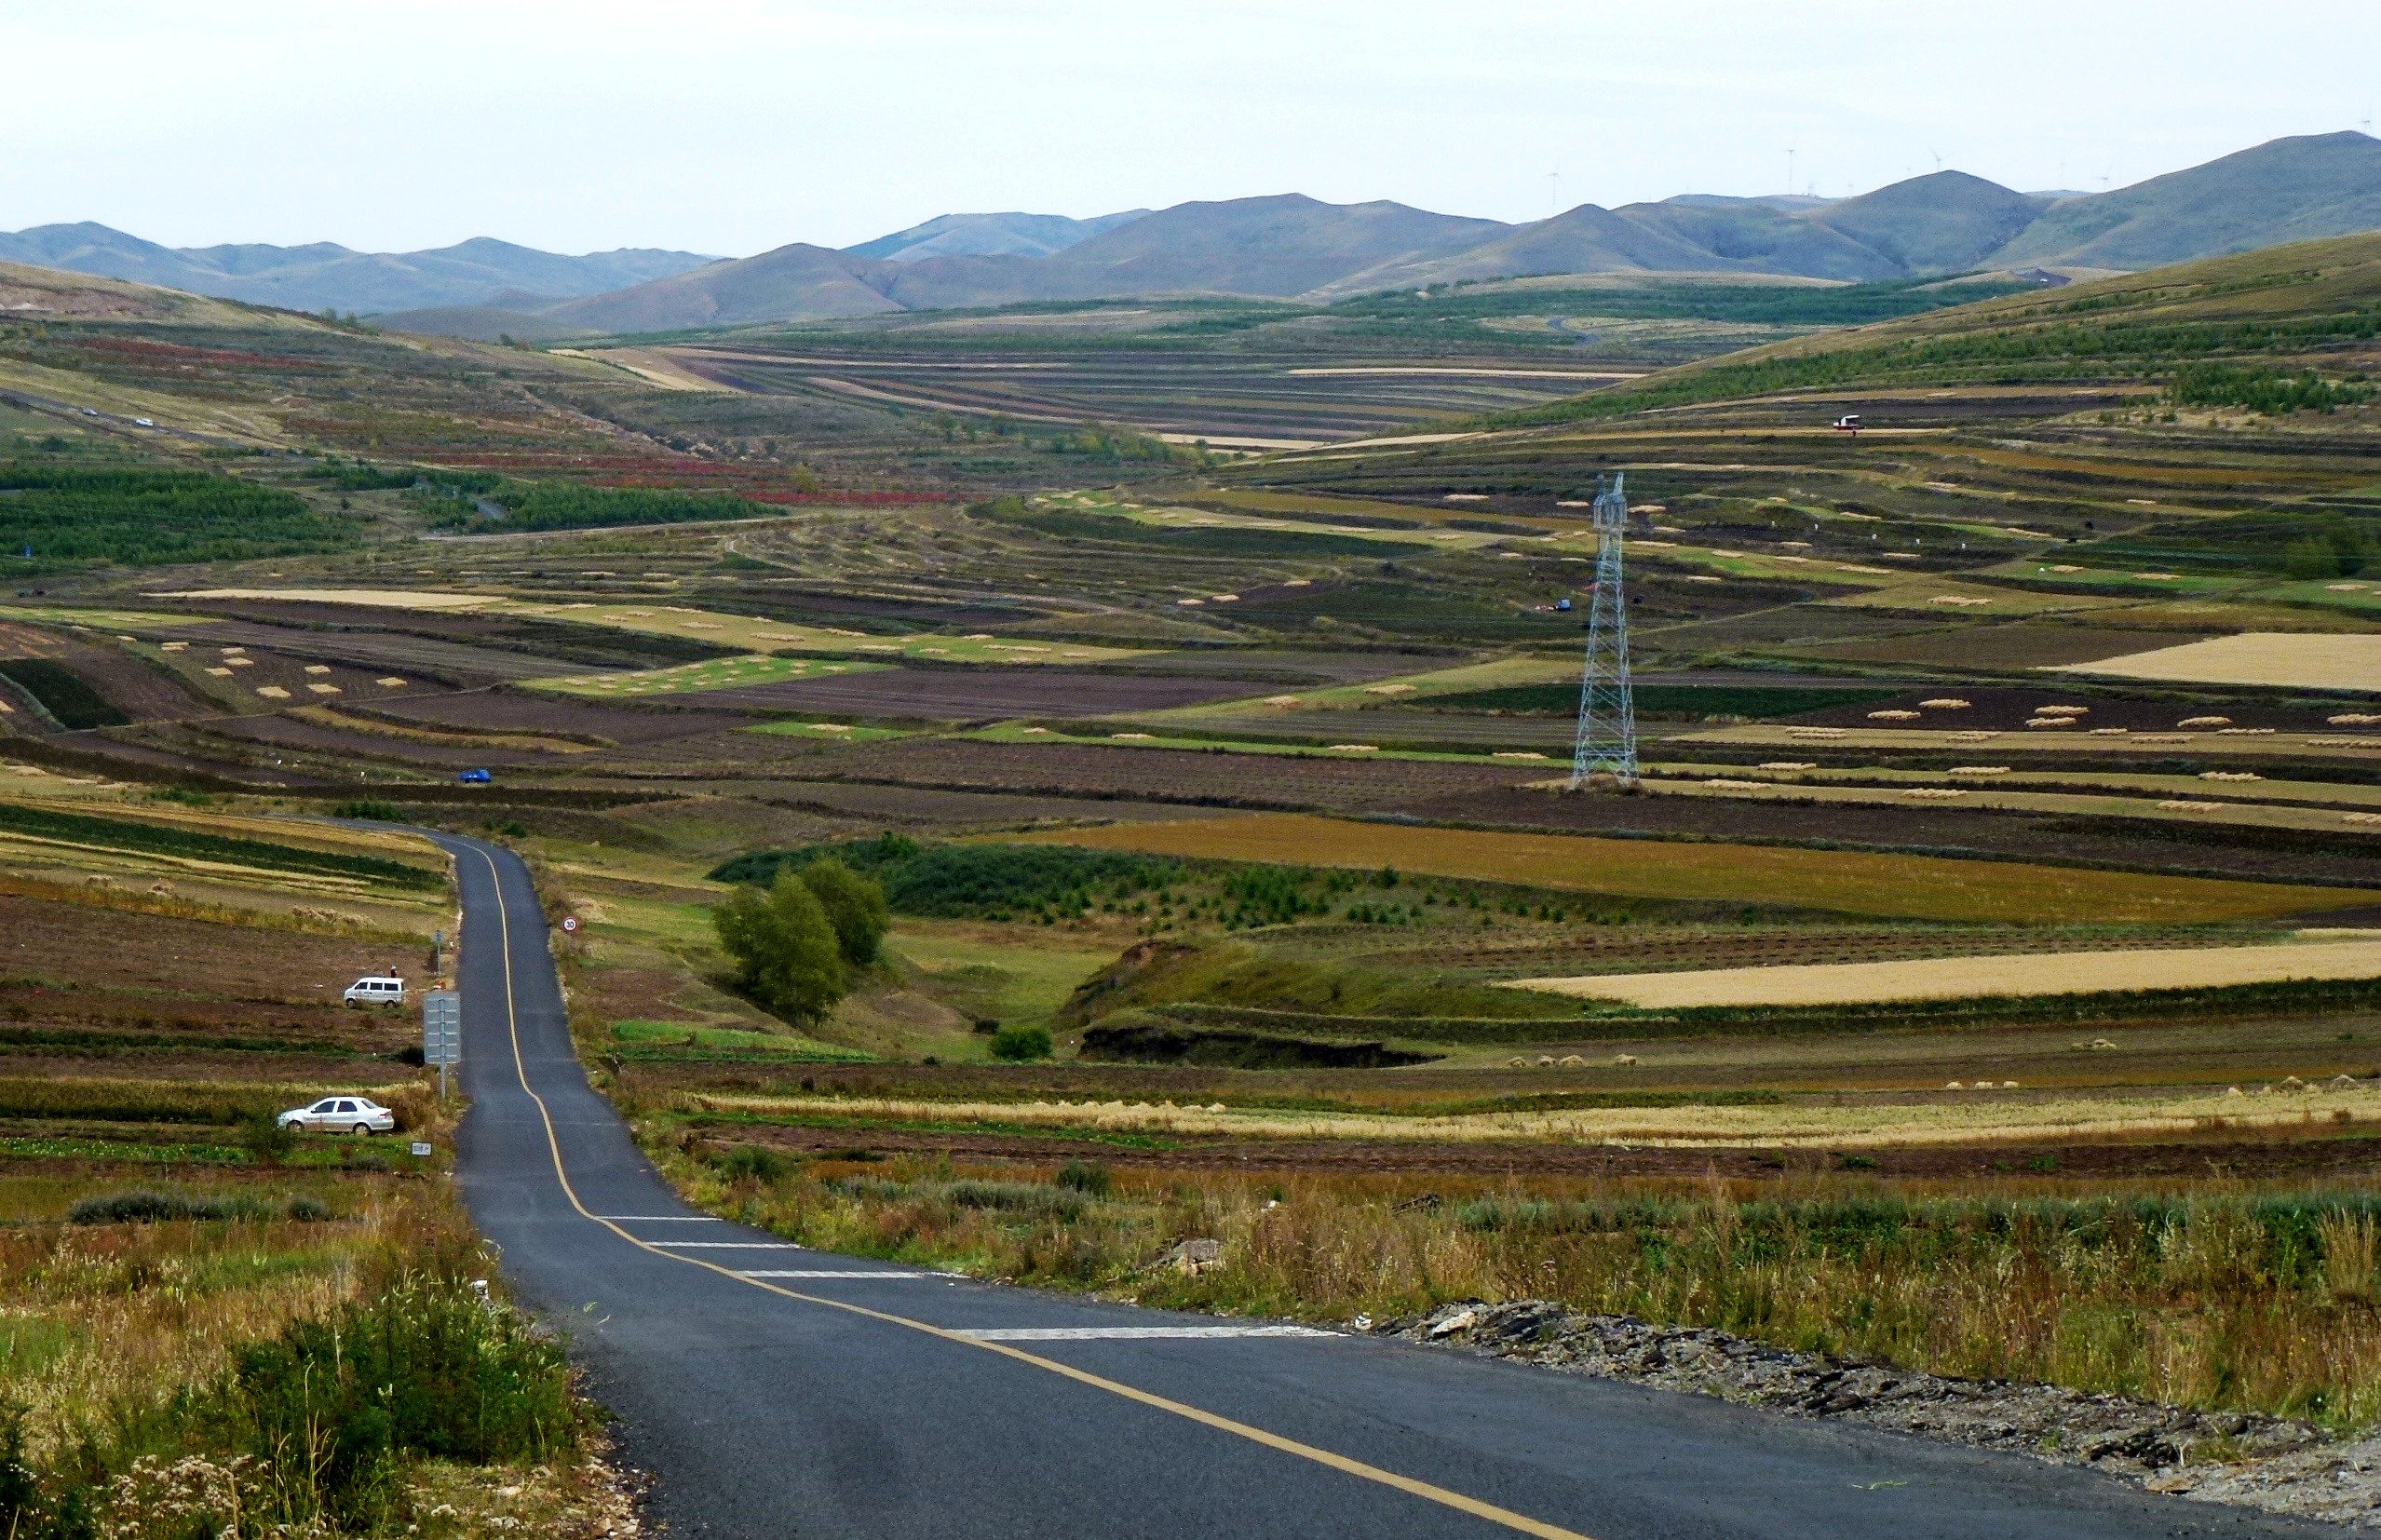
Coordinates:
x,y
357,1114
380,990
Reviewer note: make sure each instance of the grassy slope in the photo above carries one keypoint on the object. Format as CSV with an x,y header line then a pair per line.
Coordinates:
x,y
2287,304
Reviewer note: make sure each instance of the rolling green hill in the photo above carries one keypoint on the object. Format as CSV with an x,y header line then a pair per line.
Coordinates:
x,y
2225,329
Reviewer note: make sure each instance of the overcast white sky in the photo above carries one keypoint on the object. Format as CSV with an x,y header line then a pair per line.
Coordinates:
x,y
733,126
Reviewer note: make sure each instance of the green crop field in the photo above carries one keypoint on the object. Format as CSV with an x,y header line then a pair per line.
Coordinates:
x,y
57,518
1857,883
167,840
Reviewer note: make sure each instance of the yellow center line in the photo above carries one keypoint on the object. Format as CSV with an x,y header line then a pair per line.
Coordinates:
x,y
1407,1484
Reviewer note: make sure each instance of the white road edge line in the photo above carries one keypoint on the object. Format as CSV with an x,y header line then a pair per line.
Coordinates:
x,y
663,1219
1128,1334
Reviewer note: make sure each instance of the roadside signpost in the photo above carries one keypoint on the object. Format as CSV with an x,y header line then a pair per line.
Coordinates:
x,y
441,1032
570,925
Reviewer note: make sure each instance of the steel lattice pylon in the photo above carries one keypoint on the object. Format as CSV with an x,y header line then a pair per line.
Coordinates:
x,y
1608,739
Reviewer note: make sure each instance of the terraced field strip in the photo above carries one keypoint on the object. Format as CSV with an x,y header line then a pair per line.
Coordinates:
x,y
106,620
2066,575
377,598
837,732
1841,1120
1198,519
1496,673
1011,733
2000,777
1949,596
1929,887
756,634
315,845
1772,566
760,634
722,673
1974,978
1994,743
2298,660
2191,806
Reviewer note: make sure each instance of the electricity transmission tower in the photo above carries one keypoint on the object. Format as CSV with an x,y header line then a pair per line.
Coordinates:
x,y
1607,737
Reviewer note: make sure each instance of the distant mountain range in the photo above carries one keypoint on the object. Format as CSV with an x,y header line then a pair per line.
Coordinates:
x,y
324,276
1286,247
989,236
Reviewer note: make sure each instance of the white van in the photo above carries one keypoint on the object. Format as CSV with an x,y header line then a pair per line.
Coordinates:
x,y
384,990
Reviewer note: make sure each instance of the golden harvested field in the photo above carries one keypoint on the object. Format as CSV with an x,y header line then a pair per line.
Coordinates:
x,y
2314,661
1926,887
753,633
1842,1121
1964,978
378,599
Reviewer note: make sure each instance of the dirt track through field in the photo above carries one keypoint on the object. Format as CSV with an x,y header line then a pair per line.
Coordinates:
x,y
1966,978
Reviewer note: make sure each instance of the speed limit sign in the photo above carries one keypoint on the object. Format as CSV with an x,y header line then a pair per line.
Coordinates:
x,y
570,921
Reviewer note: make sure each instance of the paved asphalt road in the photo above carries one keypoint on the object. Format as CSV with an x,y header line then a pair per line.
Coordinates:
x,y
782,1392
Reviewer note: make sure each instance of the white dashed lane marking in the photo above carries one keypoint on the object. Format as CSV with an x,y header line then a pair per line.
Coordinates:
x,y
828,1273
1128,1334
728,1245
662,1218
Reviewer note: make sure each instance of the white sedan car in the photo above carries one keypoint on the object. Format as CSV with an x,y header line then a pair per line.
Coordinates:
x,y
341,1115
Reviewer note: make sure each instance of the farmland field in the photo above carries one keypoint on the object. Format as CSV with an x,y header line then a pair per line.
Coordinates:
x,y
2316,662
2012,744
1853,882
2074,973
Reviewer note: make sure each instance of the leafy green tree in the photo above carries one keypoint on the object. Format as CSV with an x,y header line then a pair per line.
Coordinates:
x,y
2311,558
786,949
855,906
1021,1043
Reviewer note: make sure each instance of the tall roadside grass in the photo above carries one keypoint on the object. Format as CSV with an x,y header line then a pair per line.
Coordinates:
x,y
2215,1298
174,1364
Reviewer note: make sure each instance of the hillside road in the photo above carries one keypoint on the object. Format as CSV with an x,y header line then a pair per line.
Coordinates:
x,y
776,1391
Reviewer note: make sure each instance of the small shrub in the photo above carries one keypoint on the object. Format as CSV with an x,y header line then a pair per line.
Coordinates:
x,y
306,1210
1089,1177
266,1139
1021,1043
754,1162
146,1207
1020,1198
370,811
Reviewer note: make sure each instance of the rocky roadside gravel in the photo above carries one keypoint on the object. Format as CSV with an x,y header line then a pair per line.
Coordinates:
x,y
2247,1458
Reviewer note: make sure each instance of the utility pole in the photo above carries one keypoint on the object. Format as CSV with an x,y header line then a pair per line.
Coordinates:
x,y
1606,741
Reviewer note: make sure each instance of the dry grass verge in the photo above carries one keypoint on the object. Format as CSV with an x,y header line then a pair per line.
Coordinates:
x,y
2212,1298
